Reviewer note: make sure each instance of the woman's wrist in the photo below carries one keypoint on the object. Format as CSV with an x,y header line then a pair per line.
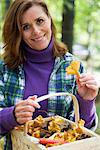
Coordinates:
x,y
7,121
15,116
87,110
87,100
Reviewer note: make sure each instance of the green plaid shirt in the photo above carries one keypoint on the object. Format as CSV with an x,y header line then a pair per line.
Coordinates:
x,y
12,83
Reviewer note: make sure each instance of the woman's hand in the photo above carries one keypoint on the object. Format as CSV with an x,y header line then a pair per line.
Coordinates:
x,y
24,109
87,86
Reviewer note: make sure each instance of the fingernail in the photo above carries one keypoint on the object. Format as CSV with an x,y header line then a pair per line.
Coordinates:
x,y
81,75
35,96
38,106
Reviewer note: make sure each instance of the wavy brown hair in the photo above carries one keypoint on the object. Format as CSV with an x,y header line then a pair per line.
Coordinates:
x,y
12,37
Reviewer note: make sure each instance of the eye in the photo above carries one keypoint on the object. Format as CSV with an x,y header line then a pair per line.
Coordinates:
x,y
40,21
26,27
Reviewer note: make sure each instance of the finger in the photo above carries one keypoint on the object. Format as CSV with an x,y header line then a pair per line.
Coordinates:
x,y
24,108
78,83
23,120
28,102
24,114
24,102
33,103
93,87
33,97
86,77
92,82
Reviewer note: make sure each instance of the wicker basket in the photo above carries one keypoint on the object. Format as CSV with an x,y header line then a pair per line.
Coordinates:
x,y
22,141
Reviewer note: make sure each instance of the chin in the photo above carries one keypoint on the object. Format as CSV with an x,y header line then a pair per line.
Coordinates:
x,y
42,47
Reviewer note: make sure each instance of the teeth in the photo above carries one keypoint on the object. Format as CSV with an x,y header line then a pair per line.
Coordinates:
x,y
38,39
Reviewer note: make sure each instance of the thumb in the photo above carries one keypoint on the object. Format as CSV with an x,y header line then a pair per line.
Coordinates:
x,y
34,97
78,82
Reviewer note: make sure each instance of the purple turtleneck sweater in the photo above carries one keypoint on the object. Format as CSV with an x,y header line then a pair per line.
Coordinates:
x,y
38,67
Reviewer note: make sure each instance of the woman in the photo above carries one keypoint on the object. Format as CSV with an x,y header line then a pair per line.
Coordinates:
x,y
35,64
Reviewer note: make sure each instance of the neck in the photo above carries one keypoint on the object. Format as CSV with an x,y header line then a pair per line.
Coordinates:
x,y
44,55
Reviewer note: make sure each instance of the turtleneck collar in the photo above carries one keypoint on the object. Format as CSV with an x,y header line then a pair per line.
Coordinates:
x,y
45,55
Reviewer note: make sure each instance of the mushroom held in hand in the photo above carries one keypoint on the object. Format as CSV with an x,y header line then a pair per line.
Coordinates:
x,y
74,68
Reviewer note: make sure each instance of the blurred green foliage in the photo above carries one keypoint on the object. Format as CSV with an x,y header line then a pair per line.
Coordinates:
x,y
86,22
56,13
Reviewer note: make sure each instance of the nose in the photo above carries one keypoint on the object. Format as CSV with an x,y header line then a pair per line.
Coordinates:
x,y
35,30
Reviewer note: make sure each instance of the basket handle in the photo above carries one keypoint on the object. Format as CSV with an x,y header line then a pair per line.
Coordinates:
x,y
75,102
44,97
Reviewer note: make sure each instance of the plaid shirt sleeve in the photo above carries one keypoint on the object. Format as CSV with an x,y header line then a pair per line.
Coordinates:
x,y
61,82
11,91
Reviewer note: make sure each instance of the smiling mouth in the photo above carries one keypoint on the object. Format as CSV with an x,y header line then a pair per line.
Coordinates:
x,y
38,38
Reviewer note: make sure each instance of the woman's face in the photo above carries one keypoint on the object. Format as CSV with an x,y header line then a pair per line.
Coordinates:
x,y
36,28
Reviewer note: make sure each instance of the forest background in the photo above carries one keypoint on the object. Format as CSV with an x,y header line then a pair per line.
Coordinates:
x,y
78,26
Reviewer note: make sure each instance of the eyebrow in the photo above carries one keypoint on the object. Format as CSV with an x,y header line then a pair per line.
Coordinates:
x,y
24,24
34,20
